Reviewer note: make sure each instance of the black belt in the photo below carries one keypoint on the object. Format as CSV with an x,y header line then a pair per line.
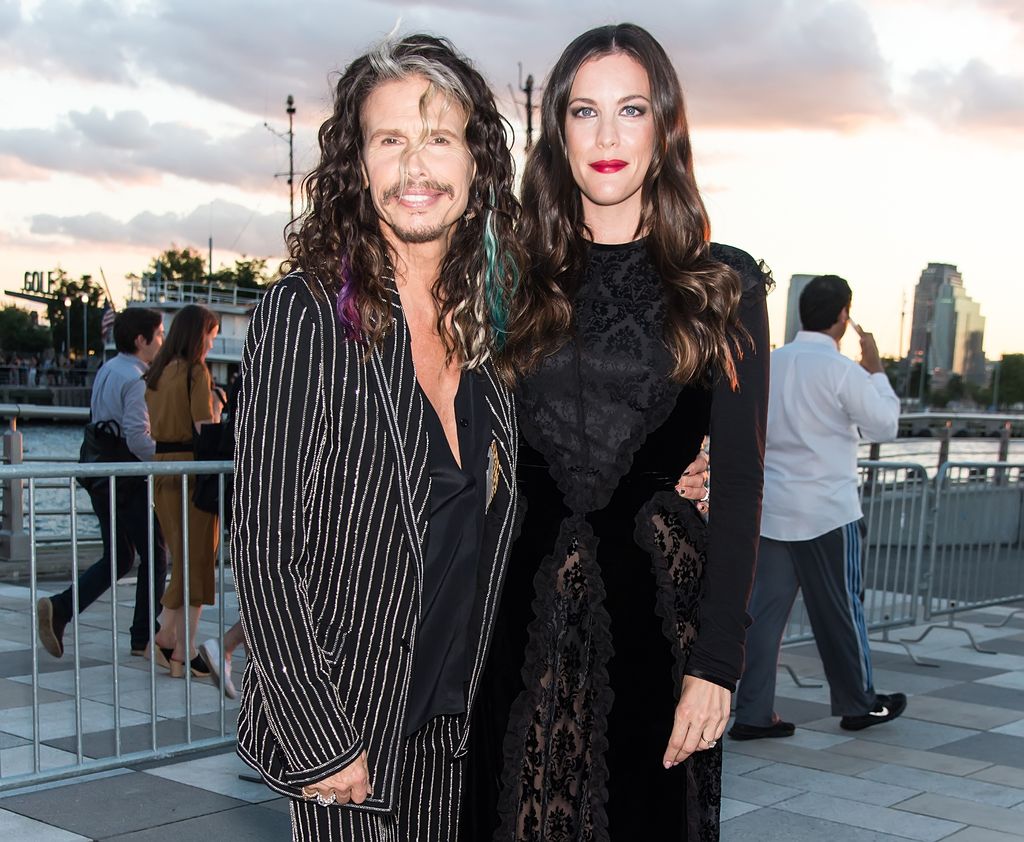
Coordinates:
x,y
174,447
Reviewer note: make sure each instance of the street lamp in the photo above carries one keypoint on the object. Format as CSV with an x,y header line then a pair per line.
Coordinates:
x,y
84,298
67,324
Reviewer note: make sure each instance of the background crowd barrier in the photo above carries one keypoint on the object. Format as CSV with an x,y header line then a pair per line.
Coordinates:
x,y
98,707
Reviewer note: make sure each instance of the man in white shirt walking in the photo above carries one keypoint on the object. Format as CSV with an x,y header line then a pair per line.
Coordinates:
x,y
820,405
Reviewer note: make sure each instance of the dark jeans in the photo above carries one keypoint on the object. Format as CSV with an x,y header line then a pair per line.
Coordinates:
x,y
132,525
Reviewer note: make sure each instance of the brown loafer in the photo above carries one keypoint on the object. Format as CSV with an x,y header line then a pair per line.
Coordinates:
x,y
51,628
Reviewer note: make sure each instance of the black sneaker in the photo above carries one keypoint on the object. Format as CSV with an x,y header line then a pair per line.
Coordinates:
x,y
51,627
778,728
886,709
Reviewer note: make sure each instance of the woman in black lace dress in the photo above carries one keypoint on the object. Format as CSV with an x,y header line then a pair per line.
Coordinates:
x,y
636,337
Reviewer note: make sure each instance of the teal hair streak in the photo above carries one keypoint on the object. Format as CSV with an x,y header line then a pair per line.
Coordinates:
x,y
497,263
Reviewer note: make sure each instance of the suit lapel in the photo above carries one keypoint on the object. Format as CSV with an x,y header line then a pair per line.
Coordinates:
x,y
402,404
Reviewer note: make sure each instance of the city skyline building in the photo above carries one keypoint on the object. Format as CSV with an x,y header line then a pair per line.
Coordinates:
x,y
948,330
796,287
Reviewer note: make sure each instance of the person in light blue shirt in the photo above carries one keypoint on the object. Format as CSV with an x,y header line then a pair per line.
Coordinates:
x,y
119,395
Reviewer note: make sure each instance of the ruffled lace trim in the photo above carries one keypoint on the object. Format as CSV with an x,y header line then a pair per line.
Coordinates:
x,y
675,535
529,807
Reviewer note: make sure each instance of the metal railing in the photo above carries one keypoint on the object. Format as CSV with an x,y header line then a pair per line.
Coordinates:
x,y
112,729
894,497
977,551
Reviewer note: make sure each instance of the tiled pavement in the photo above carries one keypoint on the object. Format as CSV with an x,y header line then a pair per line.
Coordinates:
x,y
951,769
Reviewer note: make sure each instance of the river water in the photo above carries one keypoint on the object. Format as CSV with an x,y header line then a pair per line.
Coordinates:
x,y
57,441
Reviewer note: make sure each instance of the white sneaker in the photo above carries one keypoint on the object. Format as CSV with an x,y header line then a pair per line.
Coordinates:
x,y
210,650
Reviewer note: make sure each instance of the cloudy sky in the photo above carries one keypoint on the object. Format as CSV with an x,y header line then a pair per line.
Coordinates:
x,y
859,137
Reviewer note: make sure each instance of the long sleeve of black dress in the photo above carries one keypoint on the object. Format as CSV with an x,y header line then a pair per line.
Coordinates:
x,y
737,428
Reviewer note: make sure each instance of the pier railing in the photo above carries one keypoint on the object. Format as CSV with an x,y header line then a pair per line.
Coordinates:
x,y
97,707
933,547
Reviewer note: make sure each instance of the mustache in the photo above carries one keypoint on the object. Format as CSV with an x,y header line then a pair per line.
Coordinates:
x,y
396,190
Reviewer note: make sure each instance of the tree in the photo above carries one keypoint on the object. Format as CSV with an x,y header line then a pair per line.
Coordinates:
x,y
65,288
1010,374
19,331
250,273
179,265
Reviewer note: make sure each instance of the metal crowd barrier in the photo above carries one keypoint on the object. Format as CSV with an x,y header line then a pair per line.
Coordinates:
x,y
977,552
144,718
894,497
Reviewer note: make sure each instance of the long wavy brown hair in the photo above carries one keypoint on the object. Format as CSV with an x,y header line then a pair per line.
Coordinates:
x,y
339,239
185,340
702,294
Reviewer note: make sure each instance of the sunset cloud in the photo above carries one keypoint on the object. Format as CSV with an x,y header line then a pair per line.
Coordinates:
x,y
126,146
743,62
232,226
976,97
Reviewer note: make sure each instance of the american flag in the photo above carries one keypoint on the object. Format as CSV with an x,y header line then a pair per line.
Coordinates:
x,y
107,325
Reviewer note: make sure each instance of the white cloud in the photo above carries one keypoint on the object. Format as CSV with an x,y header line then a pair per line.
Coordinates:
x,y
976,96
126,146
233,227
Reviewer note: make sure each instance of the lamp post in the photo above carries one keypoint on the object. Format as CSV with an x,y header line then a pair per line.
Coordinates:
x,y
84,298
288,137
67,324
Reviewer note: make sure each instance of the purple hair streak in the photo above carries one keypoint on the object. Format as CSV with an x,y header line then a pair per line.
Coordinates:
x,y
345,304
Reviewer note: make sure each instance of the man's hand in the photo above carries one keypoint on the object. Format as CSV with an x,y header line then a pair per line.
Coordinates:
x,y
351,784
693,484
870,360
700,719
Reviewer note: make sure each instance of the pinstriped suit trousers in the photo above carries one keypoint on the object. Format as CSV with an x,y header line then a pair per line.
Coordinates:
x,y
428,798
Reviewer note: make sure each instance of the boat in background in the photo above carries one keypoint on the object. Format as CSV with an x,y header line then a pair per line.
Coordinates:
x,y
232,304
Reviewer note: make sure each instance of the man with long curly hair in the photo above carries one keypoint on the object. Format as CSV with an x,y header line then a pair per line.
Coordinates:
x,y
375,464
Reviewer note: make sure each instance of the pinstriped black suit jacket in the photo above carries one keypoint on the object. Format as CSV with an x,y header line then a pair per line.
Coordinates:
x,y
330,515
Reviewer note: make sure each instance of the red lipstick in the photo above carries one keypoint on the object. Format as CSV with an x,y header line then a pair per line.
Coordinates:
x,y
608,166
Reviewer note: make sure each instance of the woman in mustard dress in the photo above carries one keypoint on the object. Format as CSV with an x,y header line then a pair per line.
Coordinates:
x,y
181,398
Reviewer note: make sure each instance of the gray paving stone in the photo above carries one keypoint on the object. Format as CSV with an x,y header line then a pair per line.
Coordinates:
x,y
799,711
961,714
908,732
731,808
894,681
772,825
995,748
862,789
19,662
253,824
826,761
1006,645
946,669
932,761
12,740
971,789
981,834
966,812
15,694
1004,775
740,764
881,819
86,808
18,828
169,732
983,694
752,790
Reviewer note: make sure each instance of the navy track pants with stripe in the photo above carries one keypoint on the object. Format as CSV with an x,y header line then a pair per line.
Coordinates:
x,y
828,570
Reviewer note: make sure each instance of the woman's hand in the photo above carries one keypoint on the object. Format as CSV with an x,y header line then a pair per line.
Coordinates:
x,y
700,719
351,784
693,484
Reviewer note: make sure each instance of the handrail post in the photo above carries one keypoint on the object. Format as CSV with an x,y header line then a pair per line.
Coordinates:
x,y
15,544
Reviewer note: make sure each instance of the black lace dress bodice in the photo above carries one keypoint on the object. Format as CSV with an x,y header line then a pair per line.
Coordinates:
x,y
629,588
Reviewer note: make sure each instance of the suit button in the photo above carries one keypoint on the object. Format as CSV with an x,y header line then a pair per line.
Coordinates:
x,y
406,645
464,422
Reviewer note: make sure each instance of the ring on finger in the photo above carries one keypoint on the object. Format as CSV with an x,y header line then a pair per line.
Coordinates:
x,y
711,743
327,802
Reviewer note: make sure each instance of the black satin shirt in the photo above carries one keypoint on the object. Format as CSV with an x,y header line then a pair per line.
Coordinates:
x,y
441,663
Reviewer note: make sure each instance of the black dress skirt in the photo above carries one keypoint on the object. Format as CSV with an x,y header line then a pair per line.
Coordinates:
x,y
616,587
